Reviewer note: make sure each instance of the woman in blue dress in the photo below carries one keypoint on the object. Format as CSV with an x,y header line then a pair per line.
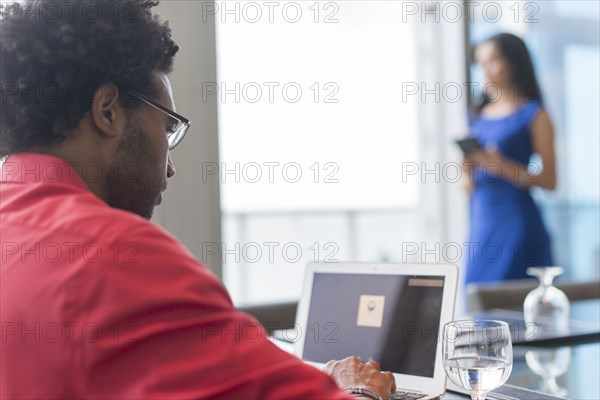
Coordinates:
x,y
507,234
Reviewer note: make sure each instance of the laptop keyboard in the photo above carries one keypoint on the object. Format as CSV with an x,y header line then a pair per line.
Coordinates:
x,y
402,395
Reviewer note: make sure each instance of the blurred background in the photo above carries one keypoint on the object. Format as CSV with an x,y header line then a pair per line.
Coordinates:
x,y
324,131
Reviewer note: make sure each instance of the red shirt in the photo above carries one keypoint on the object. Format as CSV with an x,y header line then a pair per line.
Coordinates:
x,y
97,302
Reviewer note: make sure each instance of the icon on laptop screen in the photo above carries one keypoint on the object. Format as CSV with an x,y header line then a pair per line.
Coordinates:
x,y
370,311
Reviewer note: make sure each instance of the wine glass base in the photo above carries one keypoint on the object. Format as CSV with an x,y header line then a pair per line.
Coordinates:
x,y
477,397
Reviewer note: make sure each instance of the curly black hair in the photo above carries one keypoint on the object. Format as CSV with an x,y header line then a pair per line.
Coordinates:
x,y
54,55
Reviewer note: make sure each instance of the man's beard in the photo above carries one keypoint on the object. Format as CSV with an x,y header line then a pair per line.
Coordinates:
x,y
136,180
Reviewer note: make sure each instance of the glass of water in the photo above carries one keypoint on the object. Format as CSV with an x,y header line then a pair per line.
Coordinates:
x,y
477,355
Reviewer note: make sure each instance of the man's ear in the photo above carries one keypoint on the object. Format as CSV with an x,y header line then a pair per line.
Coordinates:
x,y
107,114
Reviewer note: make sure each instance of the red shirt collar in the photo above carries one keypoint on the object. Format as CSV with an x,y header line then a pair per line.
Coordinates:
x,y
38,168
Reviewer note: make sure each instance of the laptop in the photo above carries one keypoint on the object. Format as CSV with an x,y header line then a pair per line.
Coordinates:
x,y
392,313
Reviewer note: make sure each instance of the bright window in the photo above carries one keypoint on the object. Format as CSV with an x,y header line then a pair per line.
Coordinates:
x,y
313,133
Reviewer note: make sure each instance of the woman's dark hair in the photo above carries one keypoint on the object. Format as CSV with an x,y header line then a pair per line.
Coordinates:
x,y
54,55
514,50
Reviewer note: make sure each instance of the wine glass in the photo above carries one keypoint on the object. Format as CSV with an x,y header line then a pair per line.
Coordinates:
x,y
477,355
550,363
546,306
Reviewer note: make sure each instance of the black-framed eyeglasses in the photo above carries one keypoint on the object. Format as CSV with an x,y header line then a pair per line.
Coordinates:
x,y
176,133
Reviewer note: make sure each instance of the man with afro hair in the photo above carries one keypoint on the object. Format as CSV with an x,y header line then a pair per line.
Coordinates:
x,y
96,301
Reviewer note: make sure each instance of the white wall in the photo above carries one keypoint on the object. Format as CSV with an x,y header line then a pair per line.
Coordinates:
x,y
444,205
191,208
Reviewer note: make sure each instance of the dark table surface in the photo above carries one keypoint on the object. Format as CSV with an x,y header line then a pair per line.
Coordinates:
x,y
566,367
571,371
584,326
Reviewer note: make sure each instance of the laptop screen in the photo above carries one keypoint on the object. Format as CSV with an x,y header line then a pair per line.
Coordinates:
x,y
393,319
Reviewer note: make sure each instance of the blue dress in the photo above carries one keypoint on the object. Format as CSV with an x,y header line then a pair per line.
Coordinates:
x,y
506,234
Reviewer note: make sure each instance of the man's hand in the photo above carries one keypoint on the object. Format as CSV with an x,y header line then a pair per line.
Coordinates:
x,y
353,372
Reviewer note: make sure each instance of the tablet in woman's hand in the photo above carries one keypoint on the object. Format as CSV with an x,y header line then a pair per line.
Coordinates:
x,y
468,145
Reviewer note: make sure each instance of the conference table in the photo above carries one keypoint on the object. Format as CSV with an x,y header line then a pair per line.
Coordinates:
x,y
575,368
564,366
554,366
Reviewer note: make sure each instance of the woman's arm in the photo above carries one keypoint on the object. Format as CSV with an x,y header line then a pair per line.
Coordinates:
x,y
542,138
467,178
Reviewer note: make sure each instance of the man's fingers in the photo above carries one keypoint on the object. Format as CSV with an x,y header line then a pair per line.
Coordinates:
x,y
391,376
354,358
328,368
374,364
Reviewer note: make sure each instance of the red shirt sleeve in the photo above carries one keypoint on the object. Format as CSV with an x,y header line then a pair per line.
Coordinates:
x,y
169,330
